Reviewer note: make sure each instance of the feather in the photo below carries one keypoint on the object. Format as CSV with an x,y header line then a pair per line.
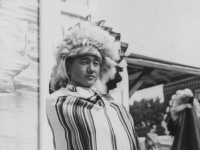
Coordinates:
x,y
99,39
100,86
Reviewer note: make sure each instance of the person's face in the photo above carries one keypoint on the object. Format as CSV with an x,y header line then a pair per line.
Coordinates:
x,y
154,128
84,71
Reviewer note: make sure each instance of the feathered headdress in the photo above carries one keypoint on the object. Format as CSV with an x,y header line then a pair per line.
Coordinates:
x,y
88,38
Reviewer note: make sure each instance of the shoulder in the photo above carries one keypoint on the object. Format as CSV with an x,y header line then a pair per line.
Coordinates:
x,y
156,134
149,135
58,94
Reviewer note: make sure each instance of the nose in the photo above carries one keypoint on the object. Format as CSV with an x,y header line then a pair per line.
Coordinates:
x,y
90,68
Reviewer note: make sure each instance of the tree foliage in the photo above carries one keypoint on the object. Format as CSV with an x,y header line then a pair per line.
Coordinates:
x,y
147,110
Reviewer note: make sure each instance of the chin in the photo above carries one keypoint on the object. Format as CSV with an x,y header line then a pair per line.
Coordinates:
x,y
89,83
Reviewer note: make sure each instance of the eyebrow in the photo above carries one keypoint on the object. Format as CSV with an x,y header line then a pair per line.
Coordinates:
x,y
84,59
87,58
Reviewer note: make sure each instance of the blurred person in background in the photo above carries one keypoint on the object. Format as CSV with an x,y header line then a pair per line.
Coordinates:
x,y
151,140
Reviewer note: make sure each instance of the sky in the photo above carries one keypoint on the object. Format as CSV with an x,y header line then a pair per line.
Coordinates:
x,y
163,29
149,93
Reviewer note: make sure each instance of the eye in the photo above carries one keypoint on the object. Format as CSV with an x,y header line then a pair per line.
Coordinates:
x,y
84,62
96,64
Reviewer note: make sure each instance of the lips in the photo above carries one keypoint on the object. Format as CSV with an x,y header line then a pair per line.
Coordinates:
x,y
90,76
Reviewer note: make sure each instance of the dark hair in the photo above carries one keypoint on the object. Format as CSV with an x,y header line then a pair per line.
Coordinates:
x,y
58,84
61,82
69,60
151,126
111,84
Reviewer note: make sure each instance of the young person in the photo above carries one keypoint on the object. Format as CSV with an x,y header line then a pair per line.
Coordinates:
x,y
81,114
151,139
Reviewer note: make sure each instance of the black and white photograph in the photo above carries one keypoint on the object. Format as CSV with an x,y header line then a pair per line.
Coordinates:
x,y
99,75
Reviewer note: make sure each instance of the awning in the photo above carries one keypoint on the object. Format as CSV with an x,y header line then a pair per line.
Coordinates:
x,y
145,72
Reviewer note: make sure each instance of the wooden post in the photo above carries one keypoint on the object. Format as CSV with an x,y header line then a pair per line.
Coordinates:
x,y
139,81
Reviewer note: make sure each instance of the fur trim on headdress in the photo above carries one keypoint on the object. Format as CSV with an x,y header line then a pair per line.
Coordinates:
x,y
96,41
180,101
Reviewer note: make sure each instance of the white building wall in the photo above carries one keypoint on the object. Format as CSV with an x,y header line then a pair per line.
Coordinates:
x,y
19,74
55,17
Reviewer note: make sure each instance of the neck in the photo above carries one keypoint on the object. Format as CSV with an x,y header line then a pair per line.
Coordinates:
x,y
151,131
74,83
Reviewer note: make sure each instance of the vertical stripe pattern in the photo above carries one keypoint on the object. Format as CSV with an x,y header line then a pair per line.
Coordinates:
x,y
74,122
127,123
113,138
75,116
